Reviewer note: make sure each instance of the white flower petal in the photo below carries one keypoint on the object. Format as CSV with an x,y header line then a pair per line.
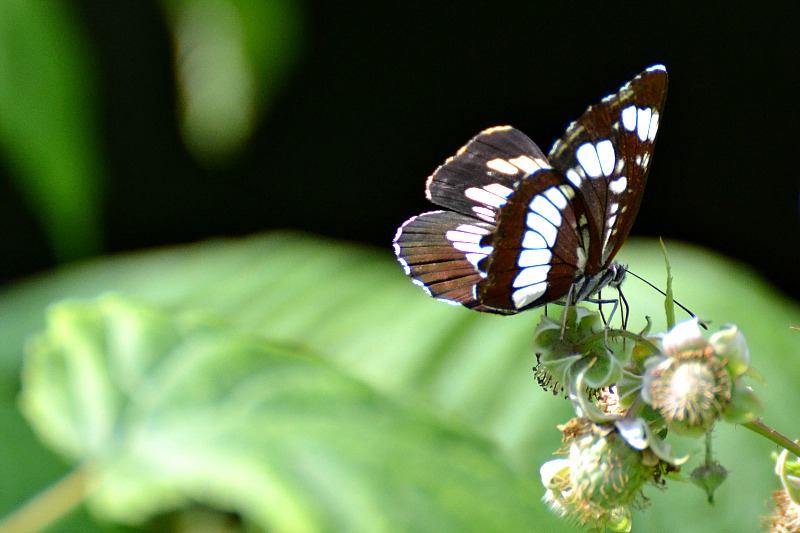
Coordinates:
x,y
685,336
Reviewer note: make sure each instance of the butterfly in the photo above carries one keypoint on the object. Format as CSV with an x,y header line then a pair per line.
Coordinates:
x,y
523,229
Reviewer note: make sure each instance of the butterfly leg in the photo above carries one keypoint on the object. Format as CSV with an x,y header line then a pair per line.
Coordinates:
x,y
625,309
617,305
620,303
610,317
568,302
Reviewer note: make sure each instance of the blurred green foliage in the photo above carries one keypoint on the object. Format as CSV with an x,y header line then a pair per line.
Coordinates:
x,y
297,355
303,384
48,122
230,57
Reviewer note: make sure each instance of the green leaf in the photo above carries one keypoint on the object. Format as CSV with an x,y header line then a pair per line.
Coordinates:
x,y
355,309
163,413
231,56
47,122
669,302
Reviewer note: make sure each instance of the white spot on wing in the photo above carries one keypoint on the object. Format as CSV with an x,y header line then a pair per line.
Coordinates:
x,y
499,189
573,177
485,197
476,257
529,165
401,259
556,196
540,205
567,191
469,228
471,247
484,213
528,295
629,118
540,224
530,276
502,166
533,240
581,263
607,157
454,235
419,283
643,123
465,239
589,160
529,258
653,128
619,185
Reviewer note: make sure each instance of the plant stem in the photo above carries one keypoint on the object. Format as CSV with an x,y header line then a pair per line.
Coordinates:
x,y
49,505
765,431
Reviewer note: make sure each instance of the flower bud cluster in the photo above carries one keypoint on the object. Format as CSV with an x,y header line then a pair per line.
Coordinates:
x,y
675,381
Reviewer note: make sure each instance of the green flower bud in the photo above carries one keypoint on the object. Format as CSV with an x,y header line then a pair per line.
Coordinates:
x,y
604,468
729,343
607,466
564,502
744,406
578,343
709,477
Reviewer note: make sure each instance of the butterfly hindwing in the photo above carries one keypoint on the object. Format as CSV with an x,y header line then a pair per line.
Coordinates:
x,y
440,250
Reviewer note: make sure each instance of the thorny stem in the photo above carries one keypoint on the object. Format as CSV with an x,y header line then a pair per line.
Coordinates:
x,y
709,455
764,430
48,506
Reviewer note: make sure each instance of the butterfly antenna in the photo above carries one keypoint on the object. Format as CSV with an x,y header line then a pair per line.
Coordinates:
x,y
676,302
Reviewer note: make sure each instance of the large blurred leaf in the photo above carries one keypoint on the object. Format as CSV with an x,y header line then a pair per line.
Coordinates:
x,y
355,308
47,121
164,413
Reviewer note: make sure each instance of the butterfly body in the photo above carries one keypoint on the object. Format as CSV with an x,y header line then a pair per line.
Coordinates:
x,y
523,229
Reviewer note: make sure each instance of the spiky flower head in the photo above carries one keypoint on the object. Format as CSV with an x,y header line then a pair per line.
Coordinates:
x,y
785,516
693,382
601,477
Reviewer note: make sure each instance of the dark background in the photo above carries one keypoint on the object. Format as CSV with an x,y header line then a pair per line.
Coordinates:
x,y
384,92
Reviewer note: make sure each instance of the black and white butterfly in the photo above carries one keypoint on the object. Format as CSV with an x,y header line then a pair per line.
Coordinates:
x,y
524,229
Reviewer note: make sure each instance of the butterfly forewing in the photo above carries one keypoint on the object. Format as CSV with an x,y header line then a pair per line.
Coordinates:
x,y
526,230
484,172
606,154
